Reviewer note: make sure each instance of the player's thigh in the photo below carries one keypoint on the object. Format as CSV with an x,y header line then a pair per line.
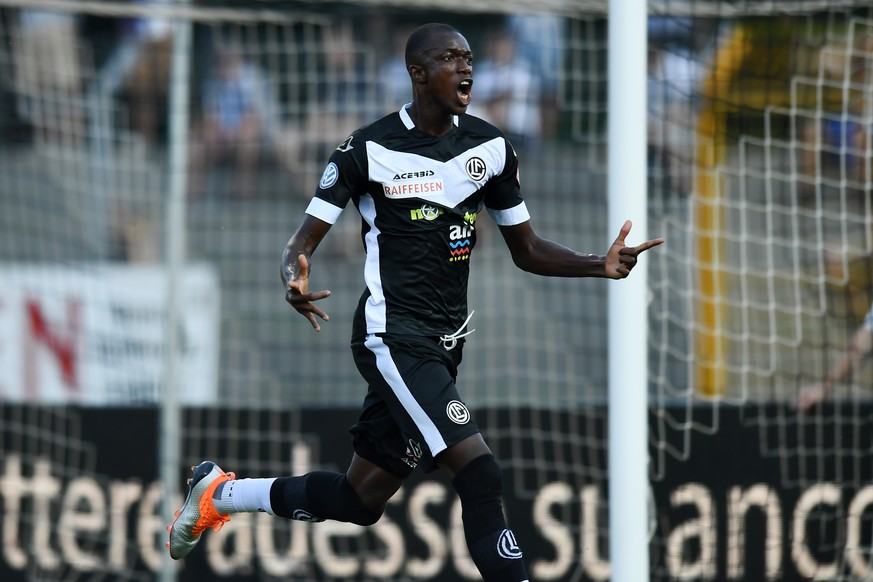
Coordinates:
x,y
415,378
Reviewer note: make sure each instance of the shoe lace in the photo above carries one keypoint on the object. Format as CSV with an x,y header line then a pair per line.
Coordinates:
x,y
209,516
449,341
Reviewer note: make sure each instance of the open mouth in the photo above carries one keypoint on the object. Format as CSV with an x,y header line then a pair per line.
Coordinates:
x,y
465,91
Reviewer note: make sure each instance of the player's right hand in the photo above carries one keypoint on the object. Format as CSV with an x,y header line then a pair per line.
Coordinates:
x,y
298,295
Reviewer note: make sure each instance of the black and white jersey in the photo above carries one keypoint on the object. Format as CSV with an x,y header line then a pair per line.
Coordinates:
x,y
419,197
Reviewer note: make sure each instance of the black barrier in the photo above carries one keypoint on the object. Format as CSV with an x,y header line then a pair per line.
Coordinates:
x,y
768,496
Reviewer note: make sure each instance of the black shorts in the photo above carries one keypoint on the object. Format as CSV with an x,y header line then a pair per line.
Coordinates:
x,y
412,411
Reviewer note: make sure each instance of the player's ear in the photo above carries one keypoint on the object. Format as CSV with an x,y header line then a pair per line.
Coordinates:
x,y
417,73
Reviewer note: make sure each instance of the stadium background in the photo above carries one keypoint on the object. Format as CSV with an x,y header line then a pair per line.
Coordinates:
x,y
760,118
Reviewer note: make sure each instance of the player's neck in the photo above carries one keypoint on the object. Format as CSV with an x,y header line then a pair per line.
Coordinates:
x,y
432,122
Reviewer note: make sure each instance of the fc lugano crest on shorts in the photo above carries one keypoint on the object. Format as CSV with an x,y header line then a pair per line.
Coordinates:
x,y
412,411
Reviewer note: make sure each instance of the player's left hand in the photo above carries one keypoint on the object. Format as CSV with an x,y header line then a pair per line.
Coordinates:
x,y
620,259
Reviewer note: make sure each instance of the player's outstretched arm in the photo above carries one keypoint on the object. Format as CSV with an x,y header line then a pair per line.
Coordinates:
x,y
295,269
540,256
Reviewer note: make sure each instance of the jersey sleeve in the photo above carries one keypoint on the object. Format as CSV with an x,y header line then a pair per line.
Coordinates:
x,y
343,177
503,198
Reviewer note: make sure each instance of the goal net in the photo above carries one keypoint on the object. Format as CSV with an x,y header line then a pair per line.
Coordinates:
x,y
760,140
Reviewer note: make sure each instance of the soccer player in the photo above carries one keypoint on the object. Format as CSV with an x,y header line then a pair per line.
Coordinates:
x,y
419,178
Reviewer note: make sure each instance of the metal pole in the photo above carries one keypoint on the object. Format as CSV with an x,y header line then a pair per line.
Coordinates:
x,y
177,164
628,320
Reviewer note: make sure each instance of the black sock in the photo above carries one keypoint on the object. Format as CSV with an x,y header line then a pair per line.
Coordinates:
x,y
318,496
492,545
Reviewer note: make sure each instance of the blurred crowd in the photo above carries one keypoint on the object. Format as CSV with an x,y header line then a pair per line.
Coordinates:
x,y
265,106
255,111
268,104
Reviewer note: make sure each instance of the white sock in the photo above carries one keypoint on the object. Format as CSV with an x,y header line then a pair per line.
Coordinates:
x,y
244,495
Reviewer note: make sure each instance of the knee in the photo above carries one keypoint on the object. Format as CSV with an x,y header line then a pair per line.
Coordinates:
x,y
479,481
353,507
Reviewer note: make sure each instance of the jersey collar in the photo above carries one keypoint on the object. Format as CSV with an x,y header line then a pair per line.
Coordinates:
x,y
407,121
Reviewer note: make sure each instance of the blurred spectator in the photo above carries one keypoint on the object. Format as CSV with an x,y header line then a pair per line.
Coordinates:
x,y
47,74
833,146
134,236
397,89
345,97
539,42
505,90
344,89
674,74
147,82
857,349
237,122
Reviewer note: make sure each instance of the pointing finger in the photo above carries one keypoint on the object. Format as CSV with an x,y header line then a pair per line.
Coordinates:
x,y
649,244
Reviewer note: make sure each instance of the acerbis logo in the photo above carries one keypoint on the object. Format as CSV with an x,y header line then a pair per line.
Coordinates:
x,y
457,412
411,175
303,515
476,168
329,177
507,546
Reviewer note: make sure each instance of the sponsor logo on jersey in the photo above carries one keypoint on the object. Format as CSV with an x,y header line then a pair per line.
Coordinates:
x,y
346,145
412,175
507,546
460,244
413,188
329,177
476,168
426,212
457,412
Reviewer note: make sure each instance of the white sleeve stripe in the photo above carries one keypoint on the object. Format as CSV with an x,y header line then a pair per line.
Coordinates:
x,y
511,216
324,210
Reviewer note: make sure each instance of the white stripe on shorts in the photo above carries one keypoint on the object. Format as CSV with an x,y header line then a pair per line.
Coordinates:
x,y
389,370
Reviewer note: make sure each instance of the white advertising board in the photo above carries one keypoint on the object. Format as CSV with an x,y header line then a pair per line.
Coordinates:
x,y
95,335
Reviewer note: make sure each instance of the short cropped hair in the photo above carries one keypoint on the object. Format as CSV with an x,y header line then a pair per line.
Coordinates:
x,y
419,40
